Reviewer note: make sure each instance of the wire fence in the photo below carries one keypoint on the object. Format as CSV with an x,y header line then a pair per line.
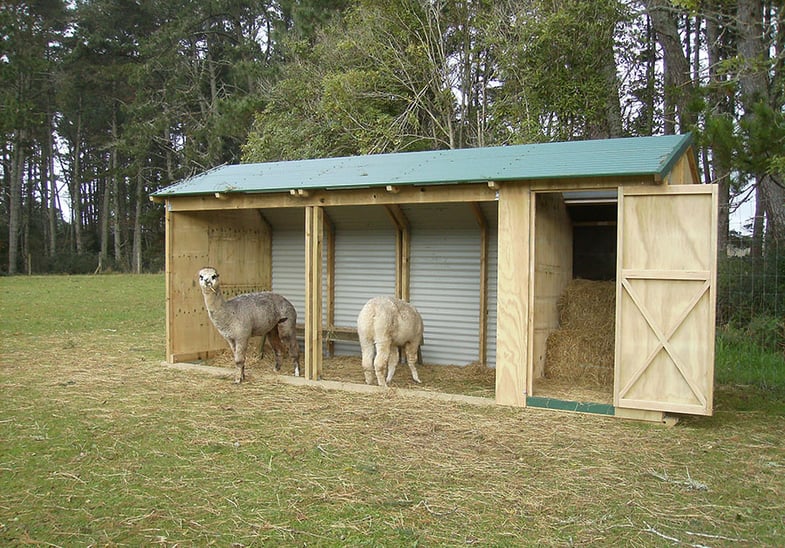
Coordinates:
x,y
751,289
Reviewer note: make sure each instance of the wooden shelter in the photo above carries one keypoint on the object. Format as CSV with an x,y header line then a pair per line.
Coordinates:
x,y
483,241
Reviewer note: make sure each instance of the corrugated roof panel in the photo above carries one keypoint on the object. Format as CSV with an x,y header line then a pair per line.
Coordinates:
x,y
571,159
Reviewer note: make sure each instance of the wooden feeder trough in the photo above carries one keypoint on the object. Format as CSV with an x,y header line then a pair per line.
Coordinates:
x,y
489,244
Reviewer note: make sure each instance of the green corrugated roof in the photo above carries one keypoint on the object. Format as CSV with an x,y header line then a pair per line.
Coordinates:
x,y
634,156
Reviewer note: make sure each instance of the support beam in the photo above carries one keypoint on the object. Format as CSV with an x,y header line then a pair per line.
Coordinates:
x,y
475,192
313,292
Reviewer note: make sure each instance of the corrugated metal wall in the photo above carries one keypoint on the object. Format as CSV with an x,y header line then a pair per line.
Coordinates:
x,y
445,280
445,271
364,259
491,212
364,263
289,255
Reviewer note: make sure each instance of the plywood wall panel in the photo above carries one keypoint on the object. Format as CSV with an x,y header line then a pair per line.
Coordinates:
x,y
236,243
552,271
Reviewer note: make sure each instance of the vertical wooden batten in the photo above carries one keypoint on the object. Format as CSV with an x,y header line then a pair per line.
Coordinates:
x,y
329,234
266,268
168,248
512,337
402,251
314,229
483,327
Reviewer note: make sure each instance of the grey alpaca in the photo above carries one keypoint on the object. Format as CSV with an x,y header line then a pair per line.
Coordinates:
x,y
251,314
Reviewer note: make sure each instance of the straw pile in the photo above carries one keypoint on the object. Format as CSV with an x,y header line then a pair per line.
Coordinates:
x,y
582,349
470,380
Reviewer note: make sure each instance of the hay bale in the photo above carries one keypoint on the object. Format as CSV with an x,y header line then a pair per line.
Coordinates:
x,y
582,349
587,303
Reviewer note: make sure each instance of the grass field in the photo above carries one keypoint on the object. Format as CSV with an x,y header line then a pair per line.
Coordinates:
x,y
101,445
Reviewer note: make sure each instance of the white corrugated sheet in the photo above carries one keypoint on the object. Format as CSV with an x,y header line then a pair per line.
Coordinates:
x,y
445,271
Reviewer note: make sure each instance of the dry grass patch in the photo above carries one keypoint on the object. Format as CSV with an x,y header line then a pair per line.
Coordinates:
x,y
100,444
471,380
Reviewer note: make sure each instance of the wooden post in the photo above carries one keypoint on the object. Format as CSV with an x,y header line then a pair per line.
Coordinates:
x,y
512,337
314,230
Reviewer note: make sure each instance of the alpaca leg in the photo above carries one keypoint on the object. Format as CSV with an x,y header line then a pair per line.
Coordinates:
x,y
275,342
392,362
411,359
294,353
231,345
368,351
261,347
289,339
240,346
381,360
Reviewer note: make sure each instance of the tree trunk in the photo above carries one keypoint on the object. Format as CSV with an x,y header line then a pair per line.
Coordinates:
x,y
114,185
612,102
15,205
76,188
678,84
137,251
27,215
756,246
773,191
720,165
753,51
104,223
44,184
651,82
53,211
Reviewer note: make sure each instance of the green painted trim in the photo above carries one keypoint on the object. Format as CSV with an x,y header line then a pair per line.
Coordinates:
x,y
685,143
566,405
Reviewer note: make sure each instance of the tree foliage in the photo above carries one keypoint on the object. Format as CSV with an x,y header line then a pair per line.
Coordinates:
x,y
104,101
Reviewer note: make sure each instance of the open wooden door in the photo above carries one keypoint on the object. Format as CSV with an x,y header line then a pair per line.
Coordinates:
x,y
665,298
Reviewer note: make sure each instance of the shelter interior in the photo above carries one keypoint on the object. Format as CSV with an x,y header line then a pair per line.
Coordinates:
x,y
441,256
575,238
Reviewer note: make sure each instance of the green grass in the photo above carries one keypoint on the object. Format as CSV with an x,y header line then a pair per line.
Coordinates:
x,y
750,375
100,445
39,305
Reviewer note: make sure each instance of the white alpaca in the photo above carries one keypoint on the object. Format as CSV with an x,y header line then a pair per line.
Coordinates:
x,y
383,325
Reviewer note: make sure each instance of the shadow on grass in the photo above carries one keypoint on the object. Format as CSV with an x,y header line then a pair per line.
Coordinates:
x,y
744,398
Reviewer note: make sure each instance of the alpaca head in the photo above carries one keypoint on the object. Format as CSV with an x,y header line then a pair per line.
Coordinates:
x,y
208,279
